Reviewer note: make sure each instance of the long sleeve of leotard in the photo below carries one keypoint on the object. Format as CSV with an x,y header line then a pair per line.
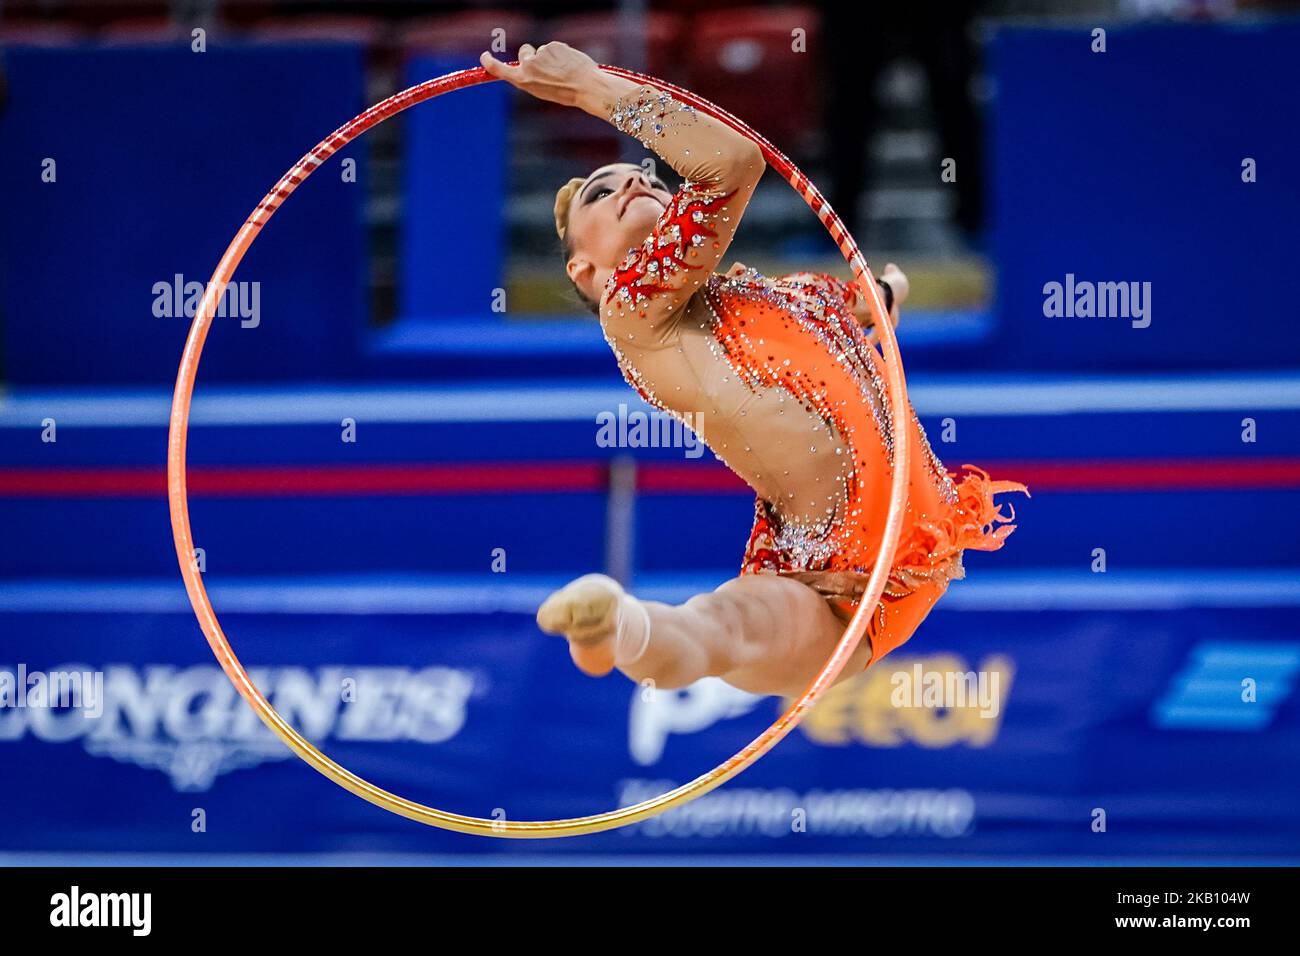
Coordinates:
x,y
720,169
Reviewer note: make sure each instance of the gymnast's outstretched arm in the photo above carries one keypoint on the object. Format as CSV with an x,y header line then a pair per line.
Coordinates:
x,y
719,165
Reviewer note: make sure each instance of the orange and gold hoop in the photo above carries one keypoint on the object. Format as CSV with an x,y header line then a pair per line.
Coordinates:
x,y
180,517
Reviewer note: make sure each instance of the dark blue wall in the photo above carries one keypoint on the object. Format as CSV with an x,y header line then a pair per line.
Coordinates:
x,y
1126,165
455,151
162,154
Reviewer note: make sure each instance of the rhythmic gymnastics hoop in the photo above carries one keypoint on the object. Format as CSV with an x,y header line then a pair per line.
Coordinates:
x,y
207,617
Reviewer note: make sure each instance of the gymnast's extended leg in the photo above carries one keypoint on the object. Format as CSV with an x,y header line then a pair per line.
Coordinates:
x,y
760,633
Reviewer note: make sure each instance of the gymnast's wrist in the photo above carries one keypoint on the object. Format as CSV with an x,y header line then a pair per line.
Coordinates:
x,y
598,96
887,293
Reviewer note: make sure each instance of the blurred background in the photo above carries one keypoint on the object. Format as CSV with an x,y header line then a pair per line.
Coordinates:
x,y
394,451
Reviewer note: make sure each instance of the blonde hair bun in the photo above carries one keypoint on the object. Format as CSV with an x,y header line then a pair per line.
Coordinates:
x,y
563,200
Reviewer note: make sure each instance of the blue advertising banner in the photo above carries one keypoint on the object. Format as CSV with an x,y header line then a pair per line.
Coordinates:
x,y
1077,731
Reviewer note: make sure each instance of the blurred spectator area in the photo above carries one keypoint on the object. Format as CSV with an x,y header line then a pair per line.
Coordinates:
x,y
744,56
738,55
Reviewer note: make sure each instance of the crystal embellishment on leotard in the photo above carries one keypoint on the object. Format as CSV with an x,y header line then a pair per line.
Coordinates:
x,y
648,113
807,545
652,268
823,308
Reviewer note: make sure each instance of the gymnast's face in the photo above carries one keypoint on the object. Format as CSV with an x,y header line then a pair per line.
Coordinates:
x,y
615,210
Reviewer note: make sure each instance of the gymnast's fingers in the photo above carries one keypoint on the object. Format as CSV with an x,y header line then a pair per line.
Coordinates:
x,y
494,67
526,52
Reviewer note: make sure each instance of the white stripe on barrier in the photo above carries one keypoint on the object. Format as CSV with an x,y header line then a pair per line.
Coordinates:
x,y
932,395
1004,591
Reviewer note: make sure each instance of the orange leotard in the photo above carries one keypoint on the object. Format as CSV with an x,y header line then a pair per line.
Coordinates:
x,y
834,370
786,387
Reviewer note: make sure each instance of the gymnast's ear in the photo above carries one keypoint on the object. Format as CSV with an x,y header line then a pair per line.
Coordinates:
x,y
581,271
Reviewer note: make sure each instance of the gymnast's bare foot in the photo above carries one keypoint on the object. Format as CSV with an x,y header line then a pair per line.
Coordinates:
x,y
585,612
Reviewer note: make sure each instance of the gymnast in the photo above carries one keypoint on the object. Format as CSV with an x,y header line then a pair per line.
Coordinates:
x,y
788,380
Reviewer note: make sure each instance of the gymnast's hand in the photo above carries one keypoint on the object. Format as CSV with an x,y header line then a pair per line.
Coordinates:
x,y
899,285
555,72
